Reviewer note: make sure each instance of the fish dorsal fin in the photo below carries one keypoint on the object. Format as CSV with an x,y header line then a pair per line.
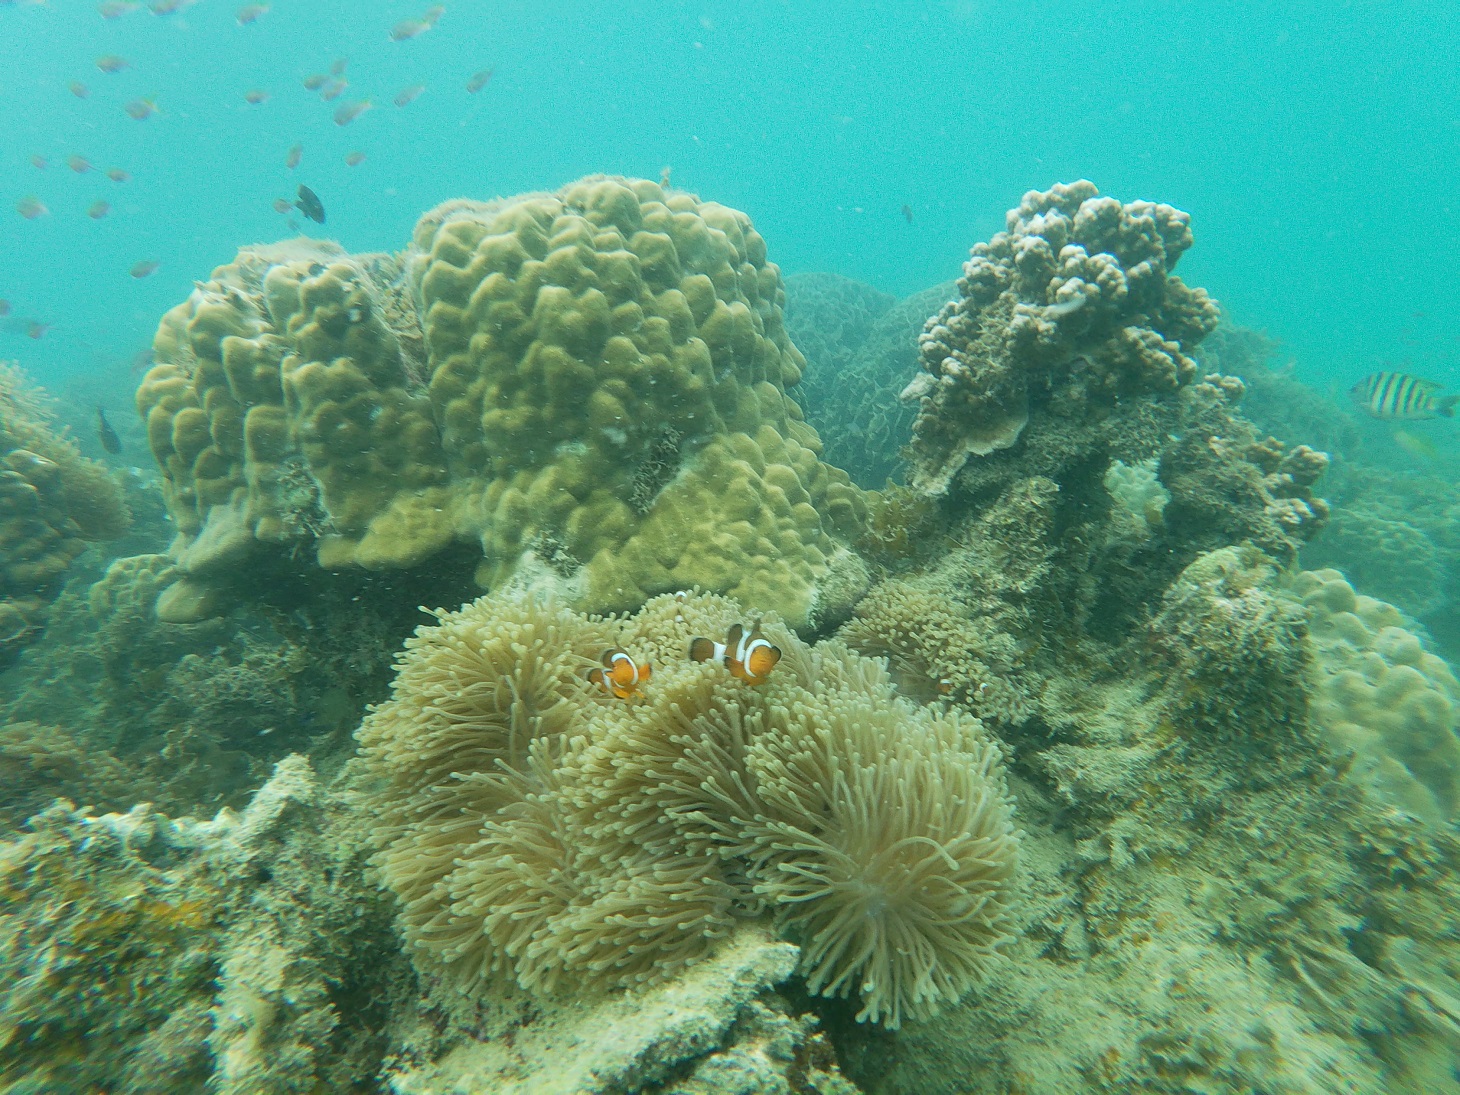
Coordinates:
x,y
733,640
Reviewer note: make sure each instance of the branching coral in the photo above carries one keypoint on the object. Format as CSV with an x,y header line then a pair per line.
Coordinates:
x,y
537,826
1076,294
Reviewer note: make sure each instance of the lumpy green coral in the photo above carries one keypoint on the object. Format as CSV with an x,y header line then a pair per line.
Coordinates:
x,y
53,502
595,378
1381,694
536,826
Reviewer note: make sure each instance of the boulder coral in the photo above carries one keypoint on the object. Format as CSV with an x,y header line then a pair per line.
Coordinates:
x,y
594,378
537,827
1077,294
1383,696
53,502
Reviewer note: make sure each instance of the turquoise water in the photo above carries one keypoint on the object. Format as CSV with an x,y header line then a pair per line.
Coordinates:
x,y
1314,144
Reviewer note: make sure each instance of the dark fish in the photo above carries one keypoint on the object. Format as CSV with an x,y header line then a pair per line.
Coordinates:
x,y
79,164
315,81
907,213
116,174
98,209
105,434
337,68
296,153
110,62
479,81
255,96
141,109
78,89
36,329
4,307
144,268
38,162
1399,395
354,159
31,208
282,205
310,205
250,13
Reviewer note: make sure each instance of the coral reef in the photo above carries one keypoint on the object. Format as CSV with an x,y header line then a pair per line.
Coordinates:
x,y
861,351
198,713
538,827
594,379
149,955
53,502
1383,696
718,1028
1074,306
1217,898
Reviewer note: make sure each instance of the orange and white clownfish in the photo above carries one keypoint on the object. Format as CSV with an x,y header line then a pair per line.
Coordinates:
x,y
748,655
620,675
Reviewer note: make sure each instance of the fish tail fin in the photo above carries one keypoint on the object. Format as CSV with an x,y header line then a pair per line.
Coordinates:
x,y
701,650
1447,405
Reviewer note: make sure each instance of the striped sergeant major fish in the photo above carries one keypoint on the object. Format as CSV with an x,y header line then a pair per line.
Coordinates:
x,y
1399,395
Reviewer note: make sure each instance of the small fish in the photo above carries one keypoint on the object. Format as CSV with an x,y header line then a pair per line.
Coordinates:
x,y
664,173
282,205
408,95
1399,395
748,655
1417,445
310,205
110,63
907,213
255,97
333,90
479,81
36,329
105,434
408,28
115,9
79,164
117,175
78,89
145,267
4,308
314,81
348,112
250,13
337,66
620,676
31,208
432,15
296,153
141,109
166,7
39,162
98,209
354,159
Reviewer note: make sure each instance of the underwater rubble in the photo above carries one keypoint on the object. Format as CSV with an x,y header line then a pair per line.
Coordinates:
x,y
1080,780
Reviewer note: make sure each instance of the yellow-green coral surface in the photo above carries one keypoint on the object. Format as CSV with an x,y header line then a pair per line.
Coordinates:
x,y
595,378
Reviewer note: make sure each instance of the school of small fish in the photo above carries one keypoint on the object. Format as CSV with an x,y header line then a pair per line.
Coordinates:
x,y
329,86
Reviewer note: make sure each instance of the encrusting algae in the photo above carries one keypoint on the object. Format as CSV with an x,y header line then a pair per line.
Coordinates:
x,y
536,826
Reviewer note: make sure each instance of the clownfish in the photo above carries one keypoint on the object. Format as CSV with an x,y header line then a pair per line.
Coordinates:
x,y
748,655
620,675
